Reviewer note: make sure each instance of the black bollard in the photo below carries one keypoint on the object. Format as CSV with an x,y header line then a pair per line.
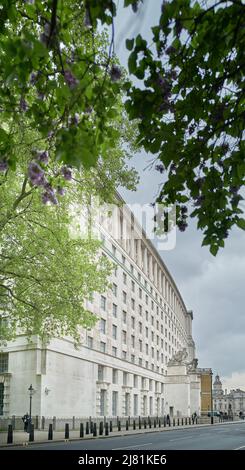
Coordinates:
x,y
182,421
87,427
101,428
186,421
149,423
126,425
145,424
139,423
164,422
66,431
159,422
111,428
107,429
31,433
91,427
134,424
189,420
50,432
169,422
94,430
173,421
178,422
155,423
81,430
10,434
119,425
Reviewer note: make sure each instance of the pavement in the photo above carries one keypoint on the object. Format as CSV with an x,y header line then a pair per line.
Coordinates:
x,y
230,436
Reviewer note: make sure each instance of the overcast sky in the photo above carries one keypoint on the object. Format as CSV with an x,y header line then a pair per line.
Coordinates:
x,y
214,288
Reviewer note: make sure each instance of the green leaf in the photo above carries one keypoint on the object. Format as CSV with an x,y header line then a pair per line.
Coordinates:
x,y
129,44
241,223
214,249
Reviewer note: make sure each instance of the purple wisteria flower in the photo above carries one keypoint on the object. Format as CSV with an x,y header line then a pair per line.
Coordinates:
x,y
36,174
3,166
115,73
70,79
43,157
66,172
60,191
23,104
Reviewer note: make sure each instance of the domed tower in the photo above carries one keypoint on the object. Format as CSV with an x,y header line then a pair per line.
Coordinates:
x,y
217,387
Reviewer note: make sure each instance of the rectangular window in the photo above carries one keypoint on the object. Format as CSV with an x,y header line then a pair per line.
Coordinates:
x,y
133,286
140,310
124,355
125,378
114,331
124,278
4,360
115,271
114,289
124,297
150,385
123,259
152,353
127,404
103,302
139,277
146,332
132,341
102,347
124,316
140,361
124,337
135,405
140,327
90,342
1,398
146,315
114,376
135,381
140,344
147,349
101,371
140,293
114,310
132,322
102,402
146,299
114,351
152,320
114,250
102,325
132,304
151,406
131,268
133,358
114,403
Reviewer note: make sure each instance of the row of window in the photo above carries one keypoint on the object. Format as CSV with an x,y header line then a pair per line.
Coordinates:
x,y
149,405
137,381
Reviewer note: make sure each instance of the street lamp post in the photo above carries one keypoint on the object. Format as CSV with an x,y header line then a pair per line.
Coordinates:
x,y
31,391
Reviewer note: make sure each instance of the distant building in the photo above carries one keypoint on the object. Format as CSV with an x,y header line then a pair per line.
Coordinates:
x,y
232,403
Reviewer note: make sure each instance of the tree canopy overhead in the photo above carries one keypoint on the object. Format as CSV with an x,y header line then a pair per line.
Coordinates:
x,y
56,71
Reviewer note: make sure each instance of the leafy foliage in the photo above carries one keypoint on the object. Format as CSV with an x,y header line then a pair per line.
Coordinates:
x,y
57,72
46,273
191,110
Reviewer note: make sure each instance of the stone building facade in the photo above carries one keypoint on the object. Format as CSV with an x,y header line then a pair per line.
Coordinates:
x,y
230,404
139,359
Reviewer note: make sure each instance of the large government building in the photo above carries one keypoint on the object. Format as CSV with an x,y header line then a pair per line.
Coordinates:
x,y
138,360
